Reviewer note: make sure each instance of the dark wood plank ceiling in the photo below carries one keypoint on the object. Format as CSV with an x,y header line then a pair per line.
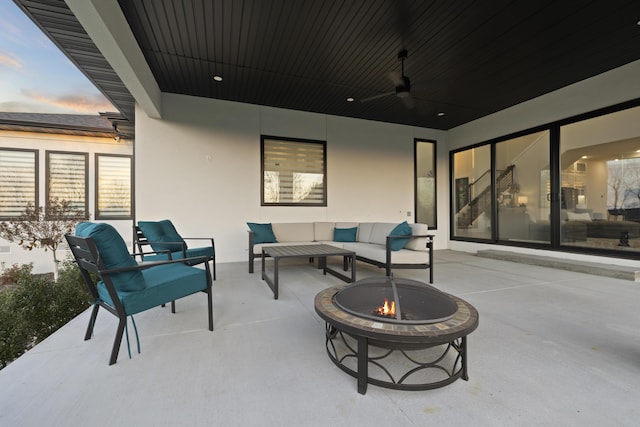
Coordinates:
x,y
466,58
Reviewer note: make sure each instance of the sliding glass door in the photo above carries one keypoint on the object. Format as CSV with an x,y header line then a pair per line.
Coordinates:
x,y
600,185
472,197
572,185
523,188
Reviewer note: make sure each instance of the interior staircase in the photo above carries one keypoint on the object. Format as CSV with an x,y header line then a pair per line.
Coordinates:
x,y
480,198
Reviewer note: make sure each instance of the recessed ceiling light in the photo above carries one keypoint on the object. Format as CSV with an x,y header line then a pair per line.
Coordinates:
x,y
584,157
350,99
217,78
440,114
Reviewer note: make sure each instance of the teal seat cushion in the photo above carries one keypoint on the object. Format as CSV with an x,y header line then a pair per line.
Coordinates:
x,y
402,229
205,251
345,234
162,257
114,254
165,283
157,232
262,233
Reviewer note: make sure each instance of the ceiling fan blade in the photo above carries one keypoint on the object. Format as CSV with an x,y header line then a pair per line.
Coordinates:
x,y
396,78
409,102
382,95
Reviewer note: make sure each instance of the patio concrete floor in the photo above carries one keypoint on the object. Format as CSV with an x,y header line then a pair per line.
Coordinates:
x,y
553,348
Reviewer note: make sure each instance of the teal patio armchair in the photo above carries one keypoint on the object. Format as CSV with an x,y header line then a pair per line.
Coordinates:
x,y
123,287
162,237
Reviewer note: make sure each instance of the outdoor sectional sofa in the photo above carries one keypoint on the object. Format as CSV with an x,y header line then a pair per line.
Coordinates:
x,y
371,241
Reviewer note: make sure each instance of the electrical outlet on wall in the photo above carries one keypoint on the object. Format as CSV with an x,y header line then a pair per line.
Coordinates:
x,y
408,213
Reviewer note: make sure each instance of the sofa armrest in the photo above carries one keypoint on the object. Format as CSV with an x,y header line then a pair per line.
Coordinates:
x,y
429,246
428,236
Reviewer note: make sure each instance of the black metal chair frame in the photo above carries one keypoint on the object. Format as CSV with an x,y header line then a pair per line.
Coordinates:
x,y
140,240
87,256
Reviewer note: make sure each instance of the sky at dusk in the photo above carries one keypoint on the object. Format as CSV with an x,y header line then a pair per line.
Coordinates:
x,y
35,77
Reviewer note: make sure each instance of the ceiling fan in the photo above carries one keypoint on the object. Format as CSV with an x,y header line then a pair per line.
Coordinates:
x,y
401,82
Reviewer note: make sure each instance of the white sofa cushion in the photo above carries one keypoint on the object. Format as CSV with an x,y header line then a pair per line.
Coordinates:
x,y
364,231
293,231
346,224
380,231
378,253
418,243
323,231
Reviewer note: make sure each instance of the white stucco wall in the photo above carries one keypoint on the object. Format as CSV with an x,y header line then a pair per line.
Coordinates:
x,y
610,88
200,167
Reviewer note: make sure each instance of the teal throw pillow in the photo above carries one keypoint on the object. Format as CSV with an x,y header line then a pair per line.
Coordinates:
x,y
114,254
402,229
157,232
345,234
262,233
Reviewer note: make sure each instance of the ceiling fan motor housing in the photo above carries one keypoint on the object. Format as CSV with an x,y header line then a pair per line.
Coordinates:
x,y
403,90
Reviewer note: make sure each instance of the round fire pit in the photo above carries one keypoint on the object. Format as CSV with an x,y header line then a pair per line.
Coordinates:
x,y
410,335
411,302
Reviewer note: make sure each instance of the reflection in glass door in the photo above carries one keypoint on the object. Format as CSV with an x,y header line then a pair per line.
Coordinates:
x,y
425,183
472,198
523,210
600,182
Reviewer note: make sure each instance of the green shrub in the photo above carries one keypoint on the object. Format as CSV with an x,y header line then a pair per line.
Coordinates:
x,y
72,296
14,336
10,275
36,306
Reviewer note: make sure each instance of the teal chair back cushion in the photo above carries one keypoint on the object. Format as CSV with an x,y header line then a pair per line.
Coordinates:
x,y
161,231
114,254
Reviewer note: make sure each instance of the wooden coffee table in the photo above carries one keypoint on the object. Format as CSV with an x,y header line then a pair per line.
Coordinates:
x,y
321,251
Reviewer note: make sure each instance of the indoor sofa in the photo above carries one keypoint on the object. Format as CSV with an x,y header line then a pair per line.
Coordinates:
x,y
386,245
600,228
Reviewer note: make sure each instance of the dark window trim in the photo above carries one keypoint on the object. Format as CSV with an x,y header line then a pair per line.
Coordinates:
x,y
86,176
415,180
324,171
36,160
97,180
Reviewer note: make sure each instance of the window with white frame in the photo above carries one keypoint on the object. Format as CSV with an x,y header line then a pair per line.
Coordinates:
x,y
114,186
18,181
294,172
67,179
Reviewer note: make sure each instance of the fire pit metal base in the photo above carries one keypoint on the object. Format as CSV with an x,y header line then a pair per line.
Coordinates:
x,y
441,361
359,345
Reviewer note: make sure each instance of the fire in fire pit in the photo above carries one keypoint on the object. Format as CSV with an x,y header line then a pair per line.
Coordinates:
x,y
405,301
387,310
